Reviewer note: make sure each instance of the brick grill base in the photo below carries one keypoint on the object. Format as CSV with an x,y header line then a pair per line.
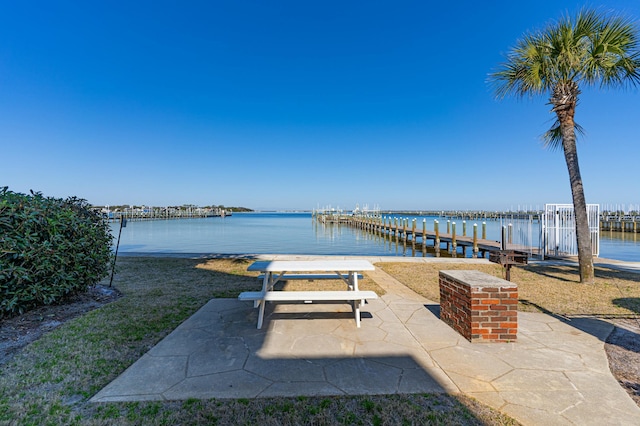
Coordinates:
x,y
480,307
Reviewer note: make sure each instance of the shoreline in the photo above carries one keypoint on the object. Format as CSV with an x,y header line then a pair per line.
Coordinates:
x,y
621,265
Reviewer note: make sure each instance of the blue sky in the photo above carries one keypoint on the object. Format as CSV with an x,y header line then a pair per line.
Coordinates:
x,y
294,105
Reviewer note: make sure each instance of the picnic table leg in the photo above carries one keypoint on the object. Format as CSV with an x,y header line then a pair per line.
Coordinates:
x,y
354,280
356,310
348,279
261,314
354,283
266,283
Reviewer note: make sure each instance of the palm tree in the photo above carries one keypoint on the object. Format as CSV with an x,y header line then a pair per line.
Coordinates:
x,y
594,49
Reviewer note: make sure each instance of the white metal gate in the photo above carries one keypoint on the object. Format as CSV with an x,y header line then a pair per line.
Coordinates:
x,y
559,230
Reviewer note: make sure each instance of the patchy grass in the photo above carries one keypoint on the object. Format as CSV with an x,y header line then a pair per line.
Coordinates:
x,y
541,287
50,381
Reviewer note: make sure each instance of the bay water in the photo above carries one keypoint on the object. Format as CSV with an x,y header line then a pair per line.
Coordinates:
x,y
300,233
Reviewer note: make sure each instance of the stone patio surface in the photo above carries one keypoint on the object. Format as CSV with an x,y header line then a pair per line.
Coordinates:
x,y
557,372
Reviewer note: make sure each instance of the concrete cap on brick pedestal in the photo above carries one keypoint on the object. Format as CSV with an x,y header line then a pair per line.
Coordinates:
x,y
478,279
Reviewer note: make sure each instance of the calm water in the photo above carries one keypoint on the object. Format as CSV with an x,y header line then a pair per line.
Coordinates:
x,y
298,233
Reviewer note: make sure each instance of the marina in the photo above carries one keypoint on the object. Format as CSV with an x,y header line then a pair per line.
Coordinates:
x,y
301,233
609,221
163,213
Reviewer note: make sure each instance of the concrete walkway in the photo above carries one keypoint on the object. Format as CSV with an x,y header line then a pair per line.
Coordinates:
x,y
557,372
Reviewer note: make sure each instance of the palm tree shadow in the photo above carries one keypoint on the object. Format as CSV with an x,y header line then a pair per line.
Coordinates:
x,y
555,271
625,338
590,324
570,273
594,326
630,303
603,271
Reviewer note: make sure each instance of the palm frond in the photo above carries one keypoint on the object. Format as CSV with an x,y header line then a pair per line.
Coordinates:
x,y
523,72
594,48
552,138
611,58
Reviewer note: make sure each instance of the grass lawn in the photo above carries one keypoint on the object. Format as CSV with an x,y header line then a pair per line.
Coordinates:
x,y
50,381
541,287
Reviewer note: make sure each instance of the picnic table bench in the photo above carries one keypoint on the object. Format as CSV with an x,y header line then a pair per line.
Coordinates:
x,y
281,270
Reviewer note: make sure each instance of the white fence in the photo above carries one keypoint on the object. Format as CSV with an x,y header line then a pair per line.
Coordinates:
x,y
559,230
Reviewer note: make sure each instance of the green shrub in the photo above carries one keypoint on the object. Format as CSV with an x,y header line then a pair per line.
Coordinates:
x,y
49,248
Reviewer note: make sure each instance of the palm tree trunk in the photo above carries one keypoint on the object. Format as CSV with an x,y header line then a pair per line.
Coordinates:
x,y
564,99
583,234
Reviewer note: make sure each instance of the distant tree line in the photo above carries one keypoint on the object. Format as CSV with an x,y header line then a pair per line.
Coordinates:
x,y
234,209
182,207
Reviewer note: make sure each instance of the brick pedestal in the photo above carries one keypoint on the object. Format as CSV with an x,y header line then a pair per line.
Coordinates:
x,y
480,307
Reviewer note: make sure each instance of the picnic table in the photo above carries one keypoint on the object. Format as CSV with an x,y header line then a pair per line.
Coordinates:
x,y
281,270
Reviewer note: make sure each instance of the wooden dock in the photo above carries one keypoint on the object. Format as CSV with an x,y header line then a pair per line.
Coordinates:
x,y
410,233
620,224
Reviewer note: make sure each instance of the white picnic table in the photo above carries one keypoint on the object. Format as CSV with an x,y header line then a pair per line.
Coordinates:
x,y
277,270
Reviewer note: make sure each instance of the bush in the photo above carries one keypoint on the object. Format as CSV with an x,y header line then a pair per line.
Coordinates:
x,y
49,248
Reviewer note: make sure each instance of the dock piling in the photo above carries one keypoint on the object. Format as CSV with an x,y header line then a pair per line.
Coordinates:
x,y
436,244
474,253
453,240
